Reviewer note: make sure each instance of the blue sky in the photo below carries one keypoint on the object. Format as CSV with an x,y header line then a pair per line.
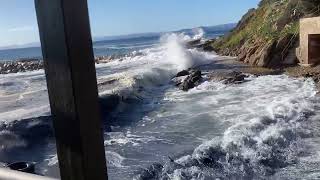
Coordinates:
x,y
115,17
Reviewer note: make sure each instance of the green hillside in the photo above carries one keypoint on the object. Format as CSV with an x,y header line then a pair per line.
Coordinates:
x,y
268,35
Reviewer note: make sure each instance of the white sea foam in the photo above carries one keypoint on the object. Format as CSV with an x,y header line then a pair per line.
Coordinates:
x,y
114,159
52,160
268,117
155,66
148,68
120,138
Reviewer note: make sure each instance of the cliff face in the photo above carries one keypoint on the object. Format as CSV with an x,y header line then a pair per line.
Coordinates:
x,y
267,36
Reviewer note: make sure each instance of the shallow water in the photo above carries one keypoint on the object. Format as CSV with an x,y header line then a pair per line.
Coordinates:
x,y
265,128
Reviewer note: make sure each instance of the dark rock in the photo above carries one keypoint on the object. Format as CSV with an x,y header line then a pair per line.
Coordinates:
x,y
19,131
193,43
178,80
191,81
20,66
182,73
207,45
236,78
314,75
232,77
208,48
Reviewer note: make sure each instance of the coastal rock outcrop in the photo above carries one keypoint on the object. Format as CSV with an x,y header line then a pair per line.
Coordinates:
x,y
25,65
268,35
233,77
186,80
20,66
314,75
182,73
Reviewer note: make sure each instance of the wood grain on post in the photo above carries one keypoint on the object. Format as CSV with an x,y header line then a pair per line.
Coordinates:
x,y
72,86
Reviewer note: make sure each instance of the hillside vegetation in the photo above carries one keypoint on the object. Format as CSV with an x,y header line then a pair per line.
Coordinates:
x,y
267,36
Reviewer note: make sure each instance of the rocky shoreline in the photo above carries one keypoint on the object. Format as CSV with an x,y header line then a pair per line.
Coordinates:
x,y
8,67
235,72
188,79
24,65
291,69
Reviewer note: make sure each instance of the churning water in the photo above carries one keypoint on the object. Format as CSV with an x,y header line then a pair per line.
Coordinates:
x,y
265,128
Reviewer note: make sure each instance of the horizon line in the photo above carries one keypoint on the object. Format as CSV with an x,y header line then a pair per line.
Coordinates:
x,y
96,38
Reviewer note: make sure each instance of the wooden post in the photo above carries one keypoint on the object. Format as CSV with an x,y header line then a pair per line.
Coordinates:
x,y
72,86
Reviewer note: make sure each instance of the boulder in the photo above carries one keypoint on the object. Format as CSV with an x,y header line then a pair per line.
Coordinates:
x,y
182,73
178,80
207,45
190,81
193,43
233,77
314,75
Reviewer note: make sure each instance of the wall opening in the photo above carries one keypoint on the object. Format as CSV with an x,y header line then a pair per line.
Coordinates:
x,y
314,49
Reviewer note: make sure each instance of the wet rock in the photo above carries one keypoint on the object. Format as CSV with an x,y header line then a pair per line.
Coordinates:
x,y
182,73
193,43
236,78
20,66
314,75
17,133
178,80
105,59
191,81
233,77
207,45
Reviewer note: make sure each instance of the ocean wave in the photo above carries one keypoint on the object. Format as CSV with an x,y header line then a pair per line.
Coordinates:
x,y
120,138
156,66
115,159
256,145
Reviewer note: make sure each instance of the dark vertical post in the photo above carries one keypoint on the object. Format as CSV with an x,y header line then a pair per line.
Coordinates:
x,y
72,86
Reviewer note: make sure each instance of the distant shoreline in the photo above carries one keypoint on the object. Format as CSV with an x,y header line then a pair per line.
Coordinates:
x,y
33,64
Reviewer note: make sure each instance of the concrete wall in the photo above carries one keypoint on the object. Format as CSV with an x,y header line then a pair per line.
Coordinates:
x,y
307,26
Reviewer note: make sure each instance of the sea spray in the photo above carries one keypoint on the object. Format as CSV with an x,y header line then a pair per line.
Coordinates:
x,y
156,66
198,33
176,53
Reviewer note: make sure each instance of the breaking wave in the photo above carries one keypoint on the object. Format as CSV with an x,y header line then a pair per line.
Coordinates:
x,y
253,147
156,66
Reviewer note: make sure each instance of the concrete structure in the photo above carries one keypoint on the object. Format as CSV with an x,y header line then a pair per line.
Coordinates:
x,y
309,51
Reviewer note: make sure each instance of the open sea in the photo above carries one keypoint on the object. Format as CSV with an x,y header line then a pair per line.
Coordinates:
x,y
117,46
265,128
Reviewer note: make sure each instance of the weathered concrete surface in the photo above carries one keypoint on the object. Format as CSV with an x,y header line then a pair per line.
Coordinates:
x,y
308,27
